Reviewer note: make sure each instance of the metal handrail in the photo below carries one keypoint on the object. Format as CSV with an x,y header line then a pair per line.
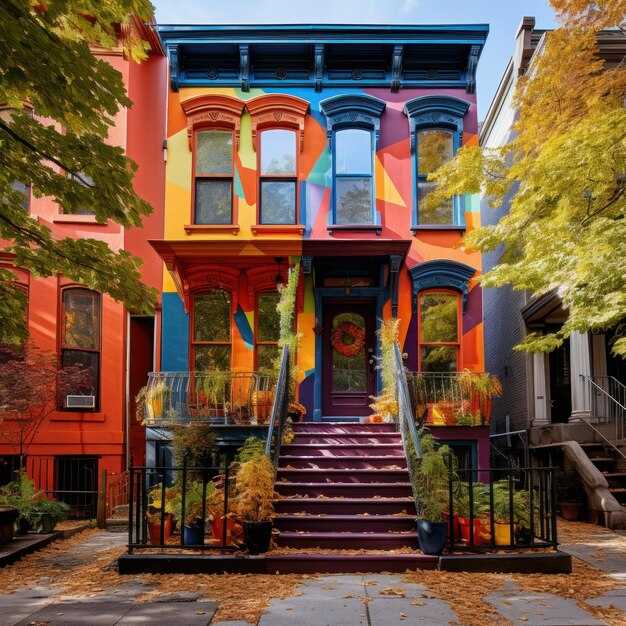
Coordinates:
x,y
607,441
279,408
405,420
617,410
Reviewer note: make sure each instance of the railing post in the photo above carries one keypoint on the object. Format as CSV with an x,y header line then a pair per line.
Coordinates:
x,y
101,515
131,485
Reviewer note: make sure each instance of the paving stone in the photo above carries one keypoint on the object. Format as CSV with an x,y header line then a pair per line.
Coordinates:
x,y
333,586
541,609
307,611
616,598
392,582
19,605
182,596
390,611
170,613
92,613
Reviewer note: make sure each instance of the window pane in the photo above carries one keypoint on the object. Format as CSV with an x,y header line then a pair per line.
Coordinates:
x,y
438,318
214,202
212,358
438,359
214,152
81,328
349,371
84,361
353,151
84,180
278,152
354,201
278,202
211,316
266,354
434,148
442,214
268,324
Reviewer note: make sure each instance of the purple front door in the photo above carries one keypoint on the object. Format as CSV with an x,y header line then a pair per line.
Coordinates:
x,y
348,359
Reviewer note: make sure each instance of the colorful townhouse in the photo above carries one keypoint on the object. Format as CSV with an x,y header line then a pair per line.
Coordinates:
x,y
97,430
313,143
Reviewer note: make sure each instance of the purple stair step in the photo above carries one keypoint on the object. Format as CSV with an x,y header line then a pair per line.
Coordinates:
x,y
343,475
334,429
302,563
347,439
345,506
348,490
345,523
348,541
312,449
341,462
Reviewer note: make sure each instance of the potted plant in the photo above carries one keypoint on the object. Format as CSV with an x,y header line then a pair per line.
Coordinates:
x,y
22,495
385,405
480,388
432,490
46,513
503,514
8,515
480,510
193,524
296,411
217,517
170,510
569,493
255,496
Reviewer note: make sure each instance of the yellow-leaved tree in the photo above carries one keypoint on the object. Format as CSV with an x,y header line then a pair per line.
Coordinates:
x,y
563,176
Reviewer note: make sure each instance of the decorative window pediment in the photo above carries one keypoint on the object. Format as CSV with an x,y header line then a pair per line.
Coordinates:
x,y
352,111
442,274
213,111
277,111
435,111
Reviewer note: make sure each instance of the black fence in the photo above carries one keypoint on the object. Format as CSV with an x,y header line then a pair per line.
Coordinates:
x,y
502,508
182,507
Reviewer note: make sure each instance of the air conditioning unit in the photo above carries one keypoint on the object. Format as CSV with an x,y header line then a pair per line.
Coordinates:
x,y
80,402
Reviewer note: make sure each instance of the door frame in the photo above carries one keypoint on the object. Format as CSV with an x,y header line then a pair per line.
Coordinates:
x,y
322,295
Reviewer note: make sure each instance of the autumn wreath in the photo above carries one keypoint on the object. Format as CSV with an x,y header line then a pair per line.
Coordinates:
x,y
348,339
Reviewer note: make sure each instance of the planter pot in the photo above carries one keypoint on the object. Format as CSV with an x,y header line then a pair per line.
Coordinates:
x,y
45,523
217,530
479,531
570,510
295,417
523,536
154,530
193,536
502,534
8,515
23,525
432,536
257,536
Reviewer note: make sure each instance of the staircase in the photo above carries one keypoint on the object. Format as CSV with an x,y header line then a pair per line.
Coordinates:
x,y
611,465
345,486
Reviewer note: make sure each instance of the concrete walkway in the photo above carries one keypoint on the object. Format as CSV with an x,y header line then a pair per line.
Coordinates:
x,y
332,600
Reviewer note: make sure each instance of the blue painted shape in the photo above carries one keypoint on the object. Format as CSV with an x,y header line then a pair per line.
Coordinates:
x,y
441,274
244,328
435,112
175,335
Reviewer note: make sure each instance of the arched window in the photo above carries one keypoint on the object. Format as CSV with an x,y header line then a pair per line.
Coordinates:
x,y
439,331
267,330
80,341
211,337
278,177
436,128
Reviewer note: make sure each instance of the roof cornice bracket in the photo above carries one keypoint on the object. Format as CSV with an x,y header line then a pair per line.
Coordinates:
x,y
172,55
319,66
244,67
396,68
472,64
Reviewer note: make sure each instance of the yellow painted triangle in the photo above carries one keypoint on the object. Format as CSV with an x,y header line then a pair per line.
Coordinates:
x,y
385,189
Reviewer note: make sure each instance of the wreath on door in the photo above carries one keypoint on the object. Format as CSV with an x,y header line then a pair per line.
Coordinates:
x,y
348,339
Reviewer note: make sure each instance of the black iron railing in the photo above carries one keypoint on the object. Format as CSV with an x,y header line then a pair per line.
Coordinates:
x,y
279,410
196,512
231,398
504,508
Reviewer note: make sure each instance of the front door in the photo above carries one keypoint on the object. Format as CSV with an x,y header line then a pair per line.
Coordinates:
x,y
348,359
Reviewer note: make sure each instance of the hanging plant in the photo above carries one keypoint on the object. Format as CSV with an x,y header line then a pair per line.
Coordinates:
x,y
348,339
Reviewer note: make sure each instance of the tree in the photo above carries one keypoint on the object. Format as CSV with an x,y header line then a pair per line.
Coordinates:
x,y
60,151
563,175
31,388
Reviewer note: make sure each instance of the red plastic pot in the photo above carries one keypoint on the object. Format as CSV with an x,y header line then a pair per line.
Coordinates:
x,y
480,530
154,530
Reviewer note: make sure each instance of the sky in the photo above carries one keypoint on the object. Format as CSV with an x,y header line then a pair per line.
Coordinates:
x,y
503,17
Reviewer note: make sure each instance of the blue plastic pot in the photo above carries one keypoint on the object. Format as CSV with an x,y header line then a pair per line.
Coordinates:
x,y
432,536
193,536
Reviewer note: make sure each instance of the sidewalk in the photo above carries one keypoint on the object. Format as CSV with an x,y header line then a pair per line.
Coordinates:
x,y
75,582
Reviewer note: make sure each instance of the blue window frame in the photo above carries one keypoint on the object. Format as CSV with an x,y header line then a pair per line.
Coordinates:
x,y
436,128
353,129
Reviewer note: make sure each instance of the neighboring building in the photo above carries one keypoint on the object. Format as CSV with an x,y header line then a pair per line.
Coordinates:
x,y
550,393
315,142
76,444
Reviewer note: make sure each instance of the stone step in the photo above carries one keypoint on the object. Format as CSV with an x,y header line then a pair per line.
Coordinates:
x,y
319,427
341,462
346,506
342,475
365,449
356,438
347,540
345,523
346,490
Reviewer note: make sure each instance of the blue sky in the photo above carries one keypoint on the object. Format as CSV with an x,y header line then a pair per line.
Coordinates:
x,y
503,16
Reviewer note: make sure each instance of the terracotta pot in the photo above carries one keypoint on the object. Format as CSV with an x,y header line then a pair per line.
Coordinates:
x,y
154,530
217,530
480,530
8,515
570,510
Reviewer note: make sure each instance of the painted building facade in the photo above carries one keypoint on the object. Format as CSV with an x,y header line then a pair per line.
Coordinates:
x,y
314,142
76,444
